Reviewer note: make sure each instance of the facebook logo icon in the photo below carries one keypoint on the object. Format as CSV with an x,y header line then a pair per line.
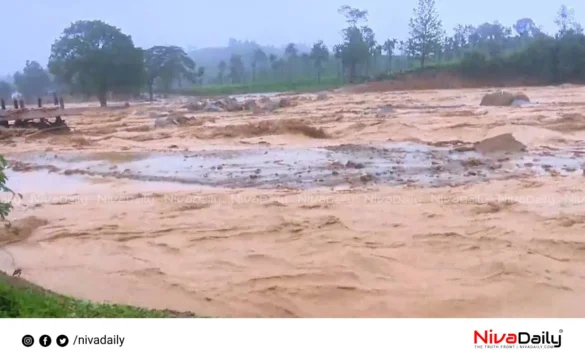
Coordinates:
x,y
45,340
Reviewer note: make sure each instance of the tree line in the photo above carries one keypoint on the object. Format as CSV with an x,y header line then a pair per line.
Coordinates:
x,y
95,58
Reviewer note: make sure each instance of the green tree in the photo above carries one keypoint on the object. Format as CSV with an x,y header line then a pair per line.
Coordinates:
x,y
291,55
426,31
319,55
389,46
200,74
526,28
97,58
5,90
355,50
566,21
237,69
33,81
222,66
5,207
166,64
338,55
259,58
273,59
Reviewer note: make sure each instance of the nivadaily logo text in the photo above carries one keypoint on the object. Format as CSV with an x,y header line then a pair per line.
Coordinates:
x,y
519,339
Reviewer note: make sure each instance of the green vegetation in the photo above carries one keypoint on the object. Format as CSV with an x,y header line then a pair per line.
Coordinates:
x,y
19,299
94,58
5,207
308,85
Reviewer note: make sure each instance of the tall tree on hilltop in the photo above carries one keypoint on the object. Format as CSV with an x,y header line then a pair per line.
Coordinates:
x,y
354,51
167,63
33,81
96,58
319,55
426,31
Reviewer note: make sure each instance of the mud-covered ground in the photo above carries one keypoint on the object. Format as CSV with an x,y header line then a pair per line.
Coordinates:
x,y
370,204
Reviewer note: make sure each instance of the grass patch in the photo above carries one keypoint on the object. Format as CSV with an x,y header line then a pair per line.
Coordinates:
x,y
21,299
230,89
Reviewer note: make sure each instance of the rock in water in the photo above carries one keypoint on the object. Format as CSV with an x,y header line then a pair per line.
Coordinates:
x,y
212,108
519,102
285,102
322,96
165,122
250,105
502,99
504,143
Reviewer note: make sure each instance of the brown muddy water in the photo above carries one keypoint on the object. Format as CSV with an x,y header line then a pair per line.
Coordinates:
x,y
390,164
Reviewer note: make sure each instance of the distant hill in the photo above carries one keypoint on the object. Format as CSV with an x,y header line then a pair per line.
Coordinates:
x,y
210,57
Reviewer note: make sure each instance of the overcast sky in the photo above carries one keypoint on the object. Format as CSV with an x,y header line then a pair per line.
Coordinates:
x,y
202,23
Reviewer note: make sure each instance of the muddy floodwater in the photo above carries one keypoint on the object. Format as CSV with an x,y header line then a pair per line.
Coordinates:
x,y
382,204
392,164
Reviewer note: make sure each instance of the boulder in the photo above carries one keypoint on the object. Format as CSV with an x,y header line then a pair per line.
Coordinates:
x,y
285,102
502,99
195,106
250,105
212,108
165,122
504,143
322,96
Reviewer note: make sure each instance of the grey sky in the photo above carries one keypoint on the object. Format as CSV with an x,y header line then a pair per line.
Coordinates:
x,y
200,23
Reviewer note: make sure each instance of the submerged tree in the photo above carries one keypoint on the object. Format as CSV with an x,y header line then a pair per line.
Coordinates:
x,y
96,58
426,31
